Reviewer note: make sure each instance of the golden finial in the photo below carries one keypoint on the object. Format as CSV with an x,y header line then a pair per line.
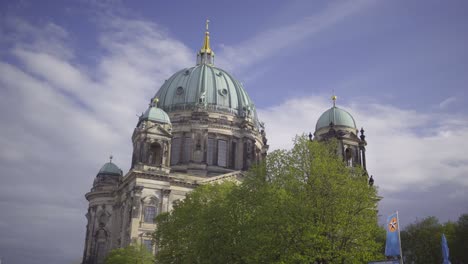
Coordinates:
x,y
155,101
334,97
110,158
206,44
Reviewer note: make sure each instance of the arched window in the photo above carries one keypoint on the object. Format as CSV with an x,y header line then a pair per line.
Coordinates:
x,y
211,151
233,154
150,214
148,245
349,157
222,153
150,209
155,154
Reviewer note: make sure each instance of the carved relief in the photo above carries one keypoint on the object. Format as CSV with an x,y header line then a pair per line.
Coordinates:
x,y
103,218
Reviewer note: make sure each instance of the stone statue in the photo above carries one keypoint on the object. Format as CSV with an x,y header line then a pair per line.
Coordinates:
x,y
150,158
371,181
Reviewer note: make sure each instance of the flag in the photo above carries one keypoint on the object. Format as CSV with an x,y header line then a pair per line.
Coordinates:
x,y
445,250
392,245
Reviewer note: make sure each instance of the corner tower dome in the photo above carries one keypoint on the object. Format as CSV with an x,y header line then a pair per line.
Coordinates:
x,y
155,114
337,116
110,169
338,124
206,86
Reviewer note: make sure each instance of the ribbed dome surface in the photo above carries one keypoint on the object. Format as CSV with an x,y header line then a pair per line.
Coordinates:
x,y
156,114
207,86
338,116
110,168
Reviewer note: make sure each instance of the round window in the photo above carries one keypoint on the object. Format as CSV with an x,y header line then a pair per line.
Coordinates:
x,y
179,90
223,91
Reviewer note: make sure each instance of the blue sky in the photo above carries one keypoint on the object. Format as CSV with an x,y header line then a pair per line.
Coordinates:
x,y
74,75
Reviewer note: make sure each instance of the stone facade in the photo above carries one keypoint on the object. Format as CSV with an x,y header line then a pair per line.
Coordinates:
x,y
199,146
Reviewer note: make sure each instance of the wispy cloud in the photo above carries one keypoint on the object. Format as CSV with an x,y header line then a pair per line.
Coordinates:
x,y
448,101
283,39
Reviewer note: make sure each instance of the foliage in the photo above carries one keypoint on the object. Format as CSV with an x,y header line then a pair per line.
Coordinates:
x,y
133,254
459,247
301,206
421,240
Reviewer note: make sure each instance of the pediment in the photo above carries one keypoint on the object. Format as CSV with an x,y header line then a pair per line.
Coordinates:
x,y
158,130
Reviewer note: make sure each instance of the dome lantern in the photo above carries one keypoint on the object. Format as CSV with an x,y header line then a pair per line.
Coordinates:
x,y
206,54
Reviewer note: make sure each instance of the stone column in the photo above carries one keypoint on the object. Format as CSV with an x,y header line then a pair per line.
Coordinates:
x,y
363,151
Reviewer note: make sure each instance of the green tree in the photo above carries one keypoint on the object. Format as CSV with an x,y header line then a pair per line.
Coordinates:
x,y
301,206
421,241
458,241
133,254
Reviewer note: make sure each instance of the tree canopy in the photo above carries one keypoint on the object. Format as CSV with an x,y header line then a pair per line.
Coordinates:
x,y
421,240
133,254
301,206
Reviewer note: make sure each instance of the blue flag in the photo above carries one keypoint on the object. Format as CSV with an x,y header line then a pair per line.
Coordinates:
x,y
392,245
445,250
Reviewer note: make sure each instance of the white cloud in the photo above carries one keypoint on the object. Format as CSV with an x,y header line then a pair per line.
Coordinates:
x,y
49,38
61,119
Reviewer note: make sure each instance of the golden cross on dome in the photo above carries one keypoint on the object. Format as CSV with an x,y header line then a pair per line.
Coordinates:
x,y
334,97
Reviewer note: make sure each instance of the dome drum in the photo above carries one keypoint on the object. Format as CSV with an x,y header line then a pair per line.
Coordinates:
x,y
207,149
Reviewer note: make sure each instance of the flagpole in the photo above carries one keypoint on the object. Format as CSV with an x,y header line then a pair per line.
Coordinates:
x,y
399,238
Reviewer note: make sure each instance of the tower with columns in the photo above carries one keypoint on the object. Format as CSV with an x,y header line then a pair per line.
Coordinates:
x,y
339,124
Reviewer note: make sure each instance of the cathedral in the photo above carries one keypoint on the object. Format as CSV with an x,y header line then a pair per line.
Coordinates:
x,y
201,127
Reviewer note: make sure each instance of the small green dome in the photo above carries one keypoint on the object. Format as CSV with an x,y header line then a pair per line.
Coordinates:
x,y
207,86
156,114
110,168
338,116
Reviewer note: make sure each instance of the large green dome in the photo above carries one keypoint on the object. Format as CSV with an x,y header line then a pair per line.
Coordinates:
x,y
205,86
337,116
